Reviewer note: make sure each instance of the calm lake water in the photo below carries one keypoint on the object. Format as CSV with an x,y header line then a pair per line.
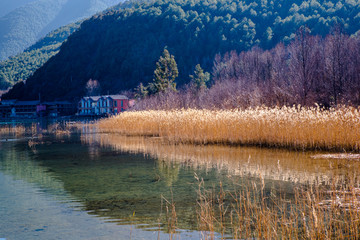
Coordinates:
x,y
84,185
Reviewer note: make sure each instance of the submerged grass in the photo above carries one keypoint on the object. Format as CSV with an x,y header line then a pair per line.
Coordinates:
x,y
336,129
314,212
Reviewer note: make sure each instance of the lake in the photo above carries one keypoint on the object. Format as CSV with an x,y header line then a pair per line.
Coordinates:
x,y
88,185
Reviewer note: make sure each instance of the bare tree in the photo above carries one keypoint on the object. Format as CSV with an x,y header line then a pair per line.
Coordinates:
x,y
93,87
352,88
336,60
303,60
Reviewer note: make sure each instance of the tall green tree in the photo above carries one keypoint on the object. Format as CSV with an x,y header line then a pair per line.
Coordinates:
x,y
165,74
141,91
200,78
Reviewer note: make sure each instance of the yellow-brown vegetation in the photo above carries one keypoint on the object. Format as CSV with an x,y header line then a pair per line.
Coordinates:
x,y
252,213
291,127
12,130
35,130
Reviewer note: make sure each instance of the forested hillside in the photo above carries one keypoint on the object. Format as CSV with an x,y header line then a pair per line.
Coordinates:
x,y
8,6
23,22
21,66
120,48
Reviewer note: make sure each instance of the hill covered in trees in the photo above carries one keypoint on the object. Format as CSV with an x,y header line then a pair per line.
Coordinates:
x,y
8,6
120,48
23,22
21,66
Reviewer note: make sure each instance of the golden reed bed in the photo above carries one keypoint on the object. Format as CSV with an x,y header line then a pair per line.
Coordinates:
x,y
291,127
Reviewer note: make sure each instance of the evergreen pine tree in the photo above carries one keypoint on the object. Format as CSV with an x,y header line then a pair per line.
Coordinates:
x,y
165,74
141,91
200,78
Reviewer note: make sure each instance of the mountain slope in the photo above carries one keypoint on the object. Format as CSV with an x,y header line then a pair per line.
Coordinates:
x,y
21,66
8,6
32,20
120,48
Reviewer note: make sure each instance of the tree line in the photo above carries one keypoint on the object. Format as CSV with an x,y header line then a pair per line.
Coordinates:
x,y
309,70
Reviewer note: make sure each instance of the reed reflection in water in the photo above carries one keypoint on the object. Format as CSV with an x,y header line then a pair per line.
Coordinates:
x,y
276,194
274,164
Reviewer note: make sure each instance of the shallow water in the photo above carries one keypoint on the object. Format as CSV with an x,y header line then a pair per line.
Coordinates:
x,y
99,186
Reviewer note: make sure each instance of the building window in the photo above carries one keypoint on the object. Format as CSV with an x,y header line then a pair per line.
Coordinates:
x,y
115,103
122,103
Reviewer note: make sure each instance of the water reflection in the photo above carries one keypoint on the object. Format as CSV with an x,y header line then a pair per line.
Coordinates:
x,y
120,187
123,179
273,164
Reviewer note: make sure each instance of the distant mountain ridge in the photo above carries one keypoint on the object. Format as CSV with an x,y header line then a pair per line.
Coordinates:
x,y
23,22
21,66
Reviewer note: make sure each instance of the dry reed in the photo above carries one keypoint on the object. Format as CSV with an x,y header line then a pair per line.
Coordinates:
x,y
252,213
12,130
34,130
60,129
291,127
171,217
